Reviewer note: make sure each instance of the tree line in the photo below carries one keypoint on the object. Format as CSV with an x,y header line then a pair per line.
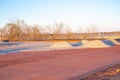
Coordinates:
x,y
20,31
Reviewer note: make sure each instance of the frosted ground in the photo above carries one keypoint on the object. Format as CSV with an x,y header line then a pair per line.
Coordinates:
x,y
10,47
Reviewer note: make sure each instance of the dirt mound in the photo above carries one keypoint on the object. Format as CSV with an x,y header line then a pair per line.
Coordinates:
x,y
94,44
62,44
114,41
85,43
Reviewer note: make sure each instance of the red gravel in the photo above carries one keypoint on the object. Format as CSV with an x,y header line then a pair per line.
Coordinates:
x,y
55,65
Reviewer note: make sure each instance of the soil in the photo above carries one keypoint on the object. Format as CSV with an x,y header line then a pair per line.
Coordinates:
x,y
63,44
56,64
111,73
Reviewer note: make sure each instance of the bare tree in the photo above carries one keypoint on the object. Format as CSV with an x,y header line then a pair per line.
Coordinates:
x,y
14,31
36,34
1,33
68,32
92,29
55,29
89,31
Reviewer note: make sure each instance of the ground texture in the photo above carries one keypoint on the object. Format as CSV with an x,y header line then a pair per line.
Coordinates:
x,y
111,73
70,64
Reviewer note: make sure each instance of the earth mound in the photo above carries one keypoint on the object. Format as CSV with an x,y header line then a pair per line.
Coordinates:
x,y
94,44
85,43
62,44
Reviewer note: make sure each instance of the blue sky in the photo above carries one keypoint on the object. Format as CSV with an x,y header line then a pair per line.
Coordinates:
x,y
75,13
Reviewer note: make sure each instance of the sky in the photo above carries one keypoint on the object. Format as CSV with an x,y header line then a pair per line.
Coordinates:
x,y
105,14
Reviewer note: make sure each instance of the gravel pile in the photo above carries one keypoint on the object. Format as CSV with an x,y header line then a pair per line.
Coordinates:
x,y
94,44
62,44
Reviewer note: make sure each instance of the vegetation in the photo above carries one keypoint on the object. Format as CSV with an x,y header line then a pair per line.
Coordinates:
x,y
20,31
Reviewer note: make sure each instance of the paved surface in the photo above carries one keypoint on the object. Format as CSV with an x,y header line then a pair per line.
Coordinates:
x,y
55,65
